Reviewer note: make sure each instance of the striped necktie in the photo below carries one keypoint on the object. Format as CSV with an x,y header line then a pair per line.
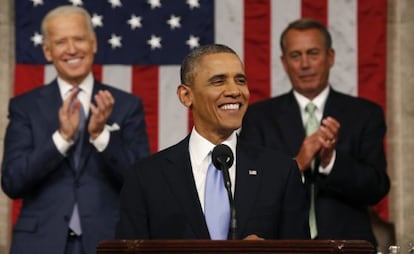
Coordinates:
x,y
74,223
311,127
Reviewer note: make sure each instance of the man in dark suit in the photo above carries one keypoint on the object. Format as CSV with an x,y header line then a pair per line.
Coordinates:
x,y
346,152
165,196
70,200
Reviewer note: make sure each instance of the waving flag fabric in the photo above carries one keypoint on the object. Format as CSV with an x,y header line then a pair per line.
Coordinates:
x,y
142,42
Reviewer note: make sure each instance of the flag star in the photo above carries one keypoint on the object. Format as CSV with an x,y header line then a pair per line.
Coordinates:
x,y
154,3
135,22
174,22
154,42
193,42
37,39
76,2
115,41
193,4
115,3
37,2
97,20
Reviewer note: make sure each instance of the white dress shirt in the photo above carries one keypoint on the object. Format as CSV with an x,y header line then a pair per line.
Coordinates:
x,y
200,155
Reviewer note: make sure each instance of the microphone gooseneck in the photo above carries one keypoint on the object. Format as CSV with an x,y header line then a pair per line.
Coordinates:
x,y
223,159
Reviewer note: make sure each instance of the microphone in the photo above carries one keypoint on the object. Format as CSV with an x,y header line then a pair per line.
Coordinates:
x,y
223,158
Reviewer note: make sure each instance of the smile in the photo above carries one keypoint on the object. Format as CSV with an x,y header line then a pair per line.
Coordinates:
x,y
233,106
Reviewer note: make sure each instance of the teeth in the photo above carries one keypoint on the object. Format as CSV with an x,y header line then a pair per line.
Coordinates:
x,y
73,61
230,106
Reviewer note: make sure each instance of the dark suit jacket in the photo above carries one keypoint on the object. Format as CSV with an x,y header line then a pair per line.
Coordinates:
x,y
34,170
358,178
159,199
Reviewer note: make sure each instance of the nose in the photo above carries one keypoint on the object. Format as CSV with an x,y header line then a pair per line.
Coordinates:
x,y
71,47
304,61
232,89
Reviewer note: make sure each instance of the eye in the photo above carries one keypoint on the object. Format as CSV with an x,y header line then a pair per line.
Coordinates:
x,y
59,42
241,80
294,55
314,52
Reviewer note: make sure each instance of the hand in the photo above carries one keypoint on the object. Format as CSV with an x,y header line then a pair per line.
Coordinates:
x,y
311,145
253,237
329,129
69,116
100,113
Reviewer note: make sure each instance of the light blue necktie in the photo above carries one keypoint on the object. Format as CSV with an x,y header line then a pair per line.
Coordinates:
x,y
216,205
311,127
74,222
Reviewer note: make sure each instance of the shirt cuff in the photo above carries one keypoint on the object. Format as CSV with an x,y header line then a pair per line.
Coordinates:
x,y
102,141
327,170
61,144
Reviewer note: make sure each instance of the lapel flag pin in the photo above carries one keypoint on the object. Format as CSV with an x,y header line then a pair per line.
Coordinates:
x,y
252,172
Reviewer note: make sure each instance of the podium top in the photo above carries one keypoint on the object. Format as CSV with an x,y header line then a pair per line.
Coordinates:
x,y
234,246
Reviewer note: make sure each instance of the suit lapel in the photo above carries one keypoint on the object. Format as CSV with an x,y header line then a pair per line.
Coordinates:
x,y
247,184
291,125
49,102
180,177
334,107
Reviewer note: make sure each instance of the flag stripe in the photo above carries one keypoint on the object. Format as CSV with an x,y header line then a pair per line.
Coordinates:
x,y
344,36
145,83
229,24
315,10
27,77
372,61
283,12
173,116
372,50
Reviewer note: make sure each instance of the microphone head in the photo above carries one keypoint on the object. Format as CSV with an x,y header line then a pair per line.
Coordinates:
x,y
222,156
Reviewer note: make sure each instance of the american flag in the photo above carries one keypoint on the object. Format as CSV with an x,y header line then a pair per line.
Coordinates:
x,y
142,43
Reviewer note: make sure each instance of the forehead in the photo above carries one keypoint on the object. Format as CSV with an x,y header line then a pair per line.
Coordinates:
x,y
303,39
219,62
63,23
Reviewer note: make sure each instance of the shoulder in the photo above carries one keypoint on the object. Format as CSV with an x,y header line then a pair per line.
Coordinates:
x,y
273,106
264,155
171,154
357,105
116,92
31,95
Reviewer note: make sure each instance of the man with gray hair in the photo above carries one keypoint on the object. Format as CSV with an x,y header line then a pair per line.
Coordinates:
x,y
68,144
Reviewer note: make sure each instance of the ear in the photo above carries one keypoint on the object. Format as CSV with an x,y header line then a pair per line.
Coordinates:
x,y
46,51
184,95
283,60
95,44
331,55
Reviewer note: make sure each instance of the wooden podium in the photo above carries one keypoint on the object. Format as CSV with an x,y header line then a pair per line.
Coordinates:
x,y
234,246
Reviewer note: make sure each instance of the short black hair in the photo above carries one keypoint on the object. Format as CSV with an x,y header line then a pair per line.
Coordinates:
x,y
190,61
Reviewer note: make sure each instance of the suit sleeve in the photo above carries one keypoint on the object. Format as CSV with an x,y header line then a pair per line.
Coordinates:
x,y
359,173
133,222
294,220
29,152
128,144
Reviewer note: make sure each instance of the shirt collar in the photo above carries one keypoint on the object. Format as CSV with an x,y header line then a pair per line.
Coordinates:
x,y
86,85
319,100
200,147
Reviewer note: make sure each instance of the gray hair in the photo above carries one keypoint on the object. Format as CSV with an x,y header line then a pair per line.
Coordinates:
x,y
66,10
190,61
305,24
